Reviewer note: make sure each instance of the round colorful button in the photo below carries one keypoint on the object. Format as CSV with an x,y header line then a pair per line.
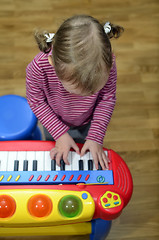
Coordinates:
x,y
105,200
100,179
7,206
70,206
40,205
109,195
84,195
115,197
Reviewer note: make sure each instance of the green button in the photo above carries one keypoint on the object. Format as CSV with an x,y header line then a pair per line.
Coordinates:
x,y
70,206
100,179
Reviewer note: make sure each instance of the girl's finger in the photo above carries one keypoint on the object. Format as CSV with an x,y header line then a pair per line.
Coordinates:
x,y
100,158
58,158
106,160
84,149
53,153
65,158
95,159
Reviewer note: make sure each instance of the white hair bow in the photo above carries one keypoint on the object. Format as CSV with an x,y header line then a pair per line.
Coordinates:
x,y
107,27
49,37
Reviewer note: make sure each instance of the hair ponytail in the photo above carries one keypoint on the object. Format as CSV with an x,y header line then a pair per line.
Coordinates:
x,y
40,38
116,31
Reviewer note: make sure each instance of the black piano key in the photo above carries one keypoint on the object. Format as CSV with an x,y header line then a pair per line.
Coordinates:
x,y
62,165
35,165
53,165
81,165
99,166
90,164
25,165
16,165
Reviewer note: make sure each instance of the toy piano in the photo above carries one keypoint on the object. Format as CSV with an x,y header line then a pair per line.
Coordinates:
x,y
37,197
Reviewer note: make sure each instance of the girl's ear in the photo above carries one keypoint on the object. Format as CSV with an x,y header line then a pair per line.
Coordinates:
x,y
50,60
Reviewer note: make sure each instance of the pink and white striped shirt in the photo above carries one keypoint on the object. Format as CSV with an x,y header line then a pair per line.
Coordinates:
x,y
57,109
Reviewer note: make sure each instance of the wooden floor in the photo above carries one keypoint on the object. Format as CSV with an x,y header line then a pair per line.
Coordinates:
x,y
134,128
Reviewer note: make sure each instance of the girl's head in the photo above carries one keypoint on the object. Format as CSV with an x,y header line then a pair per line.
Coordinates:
x,y
81,53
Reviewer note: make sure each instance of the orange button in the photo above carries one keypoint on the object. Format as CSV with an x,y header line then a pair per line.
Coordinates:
x,y
7,206
40,205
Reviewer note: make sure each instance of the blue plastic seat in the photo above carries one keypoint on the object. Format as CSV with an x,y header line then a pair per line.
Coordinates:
x,y
17,121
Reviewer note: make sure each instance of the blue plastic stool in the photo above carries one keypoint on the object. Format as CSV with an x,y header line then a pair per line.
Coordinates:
x,y
100,229
17,121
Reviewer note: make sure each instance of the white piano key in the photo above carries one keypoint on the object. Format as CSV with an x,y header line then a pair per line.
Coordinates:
x,y
40,157
106,152
30,156
47,161
69,167
57,168
12,156
3,160
75,161
21,156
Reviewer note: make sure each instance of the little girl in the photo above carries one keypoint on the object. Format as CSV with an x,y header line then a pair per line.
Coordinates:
x,y
71,86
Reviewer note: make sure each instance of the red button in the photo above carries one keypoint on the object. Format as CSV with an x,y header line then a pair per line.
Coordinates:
x,y
63,177
115,197
79,177
109,195
31,177
70,179
54,179
47,177
105,200
87,177
39,177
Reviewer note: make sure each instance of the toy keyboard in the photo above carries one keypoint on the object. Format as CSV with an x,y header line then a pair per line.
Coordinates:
x,y
36,167
38,193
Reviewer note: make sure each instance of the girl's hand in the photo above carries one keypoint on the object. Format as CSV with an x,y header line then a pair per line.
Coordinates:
x,y
62,148
97,152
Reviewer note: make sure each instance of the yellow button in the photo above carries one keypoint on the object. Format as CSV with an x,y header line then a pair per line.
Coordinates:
x,y
17,178
9,178
1,178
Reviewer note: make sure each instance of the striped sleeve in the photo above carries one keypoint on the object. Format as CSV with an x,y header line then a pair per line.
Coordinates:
x,y
38,101
104,108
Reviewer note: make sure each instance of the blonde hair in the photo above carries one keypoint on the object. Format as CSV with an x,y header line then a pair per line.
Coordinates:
x,y
81,51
